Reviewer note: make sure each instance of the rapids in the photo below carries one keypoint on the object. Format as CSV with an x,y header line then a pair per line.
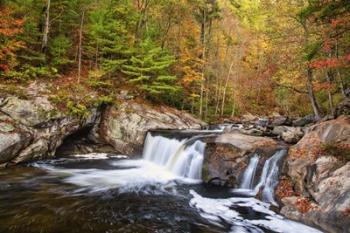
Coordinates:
x,y
159,192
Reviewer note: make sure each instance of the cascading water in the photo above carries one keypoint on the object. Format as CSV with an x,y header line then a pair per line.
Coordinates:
x,y
268,179
163,197
178,156
270,175
249,173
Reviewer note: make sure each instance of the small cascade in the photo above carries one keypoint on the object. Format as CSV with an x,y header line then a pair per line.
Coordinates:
x,y
249,173
184,158
159,149
268,178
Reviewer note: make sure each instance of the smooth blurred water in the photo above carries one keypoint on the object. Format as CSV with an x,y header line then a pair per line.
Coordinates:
x,y
98,193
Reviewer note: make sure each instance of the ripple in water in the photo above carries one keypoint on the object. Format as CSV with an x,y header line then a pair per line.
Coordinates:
x,y
102,193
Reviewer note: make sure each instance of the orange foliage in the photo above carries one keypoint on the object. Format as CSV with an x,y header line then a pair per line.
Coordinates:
x,y
285,189
324,86
9,28
326,63
303,205
346,212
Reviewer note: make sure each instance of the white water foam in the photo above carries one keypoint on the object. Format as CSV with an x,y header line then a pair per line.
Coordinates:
x,y
99,156
249,173
165,162
218,211
179,157
129,176
269,177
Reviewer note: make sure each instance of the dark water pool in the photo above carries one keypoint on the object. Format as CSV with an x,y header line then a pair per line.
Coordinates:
x,y
113,195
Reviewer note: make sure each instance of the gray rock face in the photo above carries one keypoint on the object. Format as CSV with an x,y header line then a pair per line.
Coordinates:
x,y
27,112
125,128
11,144
227,157
280,120
288,134
32,129
321,174
343,108
301,122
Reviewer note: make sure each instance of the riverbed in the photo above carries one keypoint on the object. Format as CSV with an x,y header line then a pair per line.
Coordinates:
x,y
106,193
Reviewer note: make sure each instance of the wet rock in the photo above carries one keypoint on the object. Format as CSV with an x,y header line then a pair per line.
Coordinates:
x,y
249,118
228,155
262,122
33,128
125,126
280,120
12,143
303,121
27,112
251,131
288,134
321,173
343,108
6,127
36,150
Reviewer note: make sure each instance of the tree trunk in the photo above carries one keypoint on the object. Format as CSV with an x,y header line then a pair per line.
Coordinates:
x,y
46,27
203,66
311,94
96,61
341,81
143,8
80,45
225,89
206,101
330,97
309,84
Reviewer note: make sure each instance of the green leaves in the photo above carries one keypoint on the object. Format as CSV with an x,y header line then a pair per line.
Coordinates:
x,y
59,49
311,50
149,70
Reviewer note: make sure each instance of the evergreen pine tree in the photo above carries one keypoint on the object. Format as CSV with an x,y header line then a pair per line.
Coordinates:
x,y
149,69
108,35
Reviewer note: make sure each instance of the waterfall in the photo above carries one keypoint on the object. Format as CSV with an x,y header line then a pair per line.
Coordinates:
x,y
249,173
184,158
268,178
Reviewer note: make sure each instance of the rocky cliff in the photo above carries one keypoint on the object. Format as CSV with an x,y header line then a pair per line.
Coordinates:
x,y
124,126
318,176
33,127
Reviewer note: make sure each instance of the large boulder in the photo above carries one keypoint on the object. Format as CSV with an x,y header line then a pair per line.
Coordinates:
x,y
125,126
33,128
28,112
303,121
228,155
319,170
288,134
343,108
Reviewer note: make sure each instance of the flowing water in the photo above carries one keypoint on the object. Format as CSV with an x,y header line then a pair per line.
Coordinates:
x,y
269,177
103,193
249,173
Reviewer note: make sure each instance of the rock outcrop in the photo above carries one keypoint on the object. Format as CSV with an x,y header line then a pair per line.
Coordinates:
x,y
319,171
228,156
33,128
288,134
125,126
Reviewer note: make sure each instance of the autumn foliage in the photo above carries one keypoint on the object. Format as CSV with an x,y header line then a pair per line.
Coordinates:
x,y
9,28
216,59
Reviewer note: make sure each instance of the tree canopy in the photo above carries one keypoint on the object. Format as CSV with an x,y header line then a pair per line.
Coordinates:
x,y
214,58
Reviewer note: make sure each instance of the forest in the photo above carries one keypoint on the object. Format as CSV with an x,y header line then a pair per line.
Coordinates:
x,y
213,58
